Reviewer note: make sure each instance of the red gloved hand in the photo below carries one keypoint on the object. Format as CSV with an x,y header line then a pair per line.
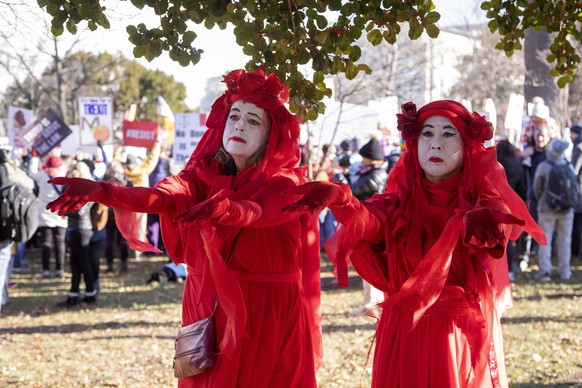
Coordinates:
x,y
483,226
212,208
316,196
79,191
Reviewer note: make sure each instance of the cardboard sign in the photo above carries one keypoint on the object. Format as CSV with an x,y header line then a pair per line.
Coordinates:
x,y
95,120
46,132
189,130
140,133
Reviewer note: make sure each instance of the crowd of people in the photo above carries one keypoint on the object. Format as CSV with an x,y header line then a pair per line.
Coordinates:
x,y
426,222
76,242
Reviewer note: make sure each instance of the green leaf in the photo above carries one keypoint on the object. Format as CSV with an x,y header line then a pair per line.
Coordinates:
x,y
432,17
562,82
57,30
318,77
433,31
139,51
415,29
311,114
375,37
188,37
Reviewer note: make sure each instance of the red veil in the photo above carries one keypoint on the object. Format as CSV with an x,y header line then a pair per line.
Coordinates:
x,y
281,161
398,267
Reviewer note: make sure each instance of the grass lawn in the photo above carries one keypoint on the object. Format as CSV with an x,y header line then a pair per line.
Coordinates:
x,y
126,340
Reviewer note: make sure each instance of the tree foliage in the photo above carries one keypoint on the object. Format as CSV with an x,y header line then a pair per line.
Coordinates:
x,y
561,18
280,36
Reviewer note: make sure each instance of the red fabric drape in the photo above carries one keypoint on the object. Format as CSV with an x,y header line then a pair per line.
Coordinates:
x,y
423,262
248,257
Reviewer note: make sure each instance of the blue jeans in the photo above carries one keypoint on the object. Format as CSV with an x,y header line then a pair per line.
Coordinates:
x,y
19,256
5,270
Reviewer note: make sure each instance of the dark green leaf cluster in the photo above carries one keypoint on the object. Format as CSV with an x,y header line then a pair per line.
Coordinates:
x,y
278,35
561,18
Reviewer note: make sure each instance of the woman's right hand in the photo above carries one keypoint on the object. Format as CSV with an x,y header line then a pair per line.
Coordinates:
x,y
316,196
79,191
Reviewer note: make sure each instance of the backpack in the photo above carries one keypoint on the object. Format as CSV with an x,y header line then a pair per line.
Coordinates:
x,y
563,188
19,213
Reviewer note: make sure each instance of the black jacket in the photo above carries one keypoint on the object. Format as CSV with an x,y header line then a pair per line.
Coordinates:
x,y
371,180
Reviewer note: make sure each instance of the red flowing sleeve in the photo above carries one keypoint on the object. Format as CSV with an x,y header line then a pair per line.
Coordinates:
x,y
357,241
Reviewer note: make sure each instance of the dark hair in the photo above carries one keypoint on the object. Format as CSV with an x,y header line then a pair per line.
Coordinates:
x,y
505,149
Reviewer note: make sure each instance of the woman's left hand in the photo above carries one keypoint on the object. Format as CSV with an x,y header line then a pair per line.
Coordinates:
x,y
483,226
210,209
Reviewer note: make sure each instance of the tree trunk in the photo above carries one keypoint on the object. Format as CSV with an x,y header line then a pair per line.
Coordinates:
x,y
538,81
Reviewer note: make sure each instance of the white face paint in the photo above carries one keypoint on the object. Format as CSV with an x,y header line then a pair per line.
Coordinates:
x,y
246,131
440,149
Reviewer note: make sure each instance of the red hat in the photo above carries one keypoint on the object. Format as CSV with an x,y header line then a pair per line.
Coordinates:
x,y
53,161
472,126
266,92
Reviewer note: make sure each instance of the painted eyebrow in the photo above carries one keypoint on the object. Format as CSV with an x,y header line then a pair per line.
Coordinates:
x,y
256,115
249,113
445,127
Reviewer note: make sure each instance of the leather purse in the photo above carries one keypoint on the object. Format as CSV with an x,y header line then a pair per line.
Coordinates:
x,y
195,347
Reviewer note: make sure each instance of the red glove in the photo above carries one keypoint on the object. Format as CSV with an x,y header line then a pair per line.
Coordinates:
x,y
213,208
317,195
79,191
483,227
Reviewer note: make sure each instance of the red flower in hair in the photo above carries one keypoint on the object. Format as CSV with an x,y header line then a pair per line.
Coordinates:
x,y
478,128
406,120
254,87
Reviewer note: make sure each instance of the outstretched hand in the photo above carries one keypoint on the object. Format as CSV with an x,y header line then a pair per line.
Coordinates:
x,y
210,209
483,226
79,191
316,196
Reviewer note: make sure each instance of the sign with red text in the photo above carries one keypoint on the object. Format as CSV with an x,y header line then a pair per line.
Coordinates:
x,y
140,133
46,132
188,130
95,120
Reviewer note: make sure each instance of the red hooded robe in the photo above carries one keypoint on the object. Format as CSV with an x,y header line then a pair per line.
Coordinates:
x,y
440,323
261,263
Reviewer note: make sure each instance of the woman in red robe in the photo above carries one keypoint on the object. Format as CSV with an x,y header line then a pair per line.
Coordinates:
x,y
221,216
433,242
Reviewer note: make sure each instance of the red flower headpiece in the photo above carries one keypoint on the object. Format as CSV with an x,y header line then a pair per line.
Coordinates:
x,y
407,125
265,92
472,126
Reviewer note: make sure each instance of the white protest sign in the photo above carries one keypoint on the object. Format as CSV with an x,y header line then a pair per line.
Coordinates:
x,y
189,128
514,119
95,120
18,120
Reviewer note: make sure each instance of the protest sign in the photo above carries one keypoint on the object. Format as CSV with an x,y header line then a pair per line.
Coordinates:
x,y
140,133
189,128
95,120
514,119
46,132
18,120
